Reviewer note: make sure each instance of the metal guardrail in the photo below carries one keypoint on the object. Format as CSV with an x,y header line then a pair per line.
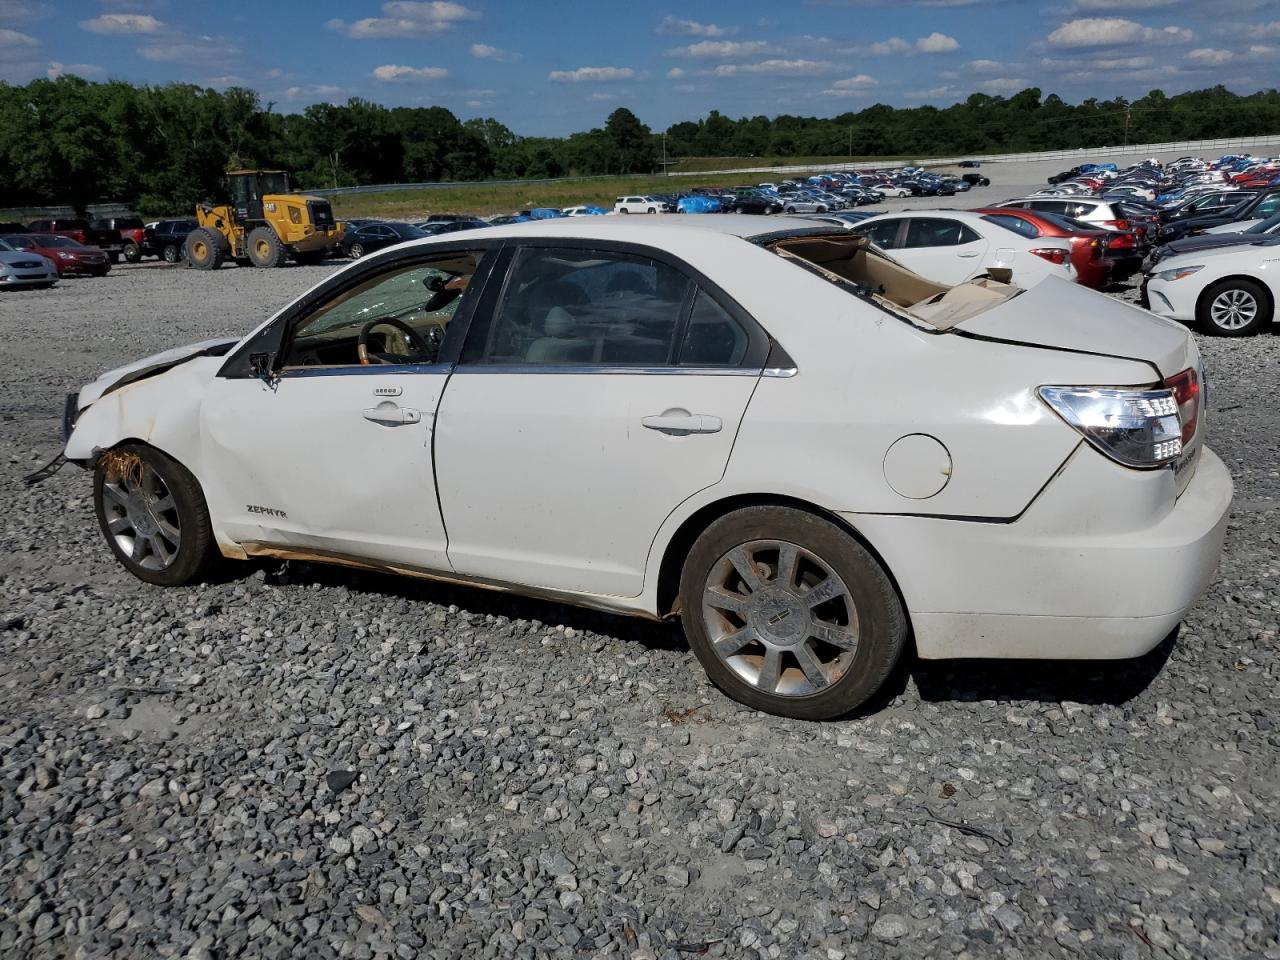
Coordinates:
x,y
444,185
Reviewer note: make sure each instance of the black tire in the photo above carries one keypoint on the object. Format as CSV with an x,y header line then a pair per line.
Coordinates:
x,y
356,251
652,210
1248,294
882,623
791,209
170,253
265,248
205,249
132,253
132,465
624,210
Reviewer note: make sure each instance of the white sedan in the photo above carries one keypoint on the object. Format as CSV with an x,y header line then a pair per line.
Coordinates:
x,y
761,426
952,246
1228,291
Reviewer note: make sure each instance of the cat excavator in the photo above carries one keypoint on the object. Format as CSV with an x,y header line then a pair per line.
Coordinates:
x,y
263,224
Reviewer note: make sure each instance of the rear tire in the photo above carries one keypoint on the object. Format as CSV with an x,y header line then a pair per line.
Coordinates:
x,y
356,251
170,253
1234,308
265,248
760,638
132,253
152,513
205,250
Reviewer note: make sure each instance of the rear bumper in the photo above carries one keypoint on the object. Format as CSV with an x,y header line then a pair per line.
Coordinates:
x,y
1094,569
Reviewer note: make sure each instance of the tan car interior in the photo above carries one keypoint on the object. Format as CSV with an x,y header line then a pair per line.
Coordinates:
x,y
852,259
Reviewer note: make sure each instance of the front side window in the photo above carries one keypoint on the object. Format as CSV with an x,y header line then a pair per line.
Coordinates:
x,y
584,307
1267,206
883,234
402,314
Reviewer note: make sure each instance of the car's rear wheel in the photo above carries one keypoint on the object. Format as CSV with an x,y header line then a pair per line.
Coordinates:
x,y
1236,307
356,250
170,253
132,253
153,514
624,210
789,614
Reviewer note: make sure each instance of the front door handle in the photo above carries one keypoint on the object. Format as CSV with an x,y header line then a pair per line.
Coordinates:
x,y
390,414
679,423
967,256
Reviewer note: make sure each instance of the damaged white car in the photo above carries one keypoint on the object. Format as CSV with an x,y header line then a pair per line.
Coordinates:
x,y
808,453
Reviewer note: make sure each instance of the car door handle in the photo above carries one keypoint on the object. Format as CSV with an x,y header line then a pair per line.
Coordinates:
x,y
967,256
389,414
682,423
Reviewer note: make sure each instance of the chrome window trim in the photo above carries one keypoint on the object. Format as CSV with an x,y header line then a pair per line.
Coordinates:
x,y
578,369
364,370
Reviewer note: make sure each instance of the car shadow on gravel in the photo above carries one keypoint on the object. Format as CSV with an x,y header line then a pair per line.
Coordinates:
x,y
1092,682
475,601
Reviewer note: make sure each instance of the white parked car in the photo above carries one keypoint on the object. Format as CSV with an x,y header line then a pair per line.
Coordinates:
x,y
890,190
638,204
1103,214
1228,291
761,426
952,246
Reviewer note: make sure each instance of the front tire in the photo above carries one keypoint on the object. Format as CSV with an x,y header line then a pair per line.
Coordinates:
x,y
153,515
789,614
1237,307
204,249
356,250
132,253
265,248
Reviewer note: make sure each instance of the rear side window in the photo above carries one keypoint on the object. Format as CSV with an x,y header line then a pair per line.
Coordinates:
x,y
1268,206
1019,226
584,308
714,339
939,232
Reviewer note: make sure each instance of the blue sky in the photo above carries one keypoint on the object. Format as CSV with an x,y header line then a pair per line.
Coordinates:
x,y
556,67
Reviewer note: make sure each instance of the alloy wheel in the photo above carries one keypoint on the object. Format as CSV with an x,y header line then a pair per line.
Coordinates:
x,y
1233,309
780,618
142,516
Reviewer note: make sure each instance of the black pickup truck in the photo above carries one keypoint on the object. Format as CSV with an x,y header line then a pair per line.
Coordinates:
x,y
80,231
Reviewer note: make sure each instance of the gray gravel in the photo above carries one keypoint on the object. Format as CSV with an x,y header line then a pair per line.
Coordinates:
x,y
296,761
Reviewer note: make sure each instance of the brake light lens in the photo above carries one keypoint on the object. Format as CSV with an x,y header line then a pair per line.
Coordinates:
x,y
1186,394
1121,241
1134,427
1116,224
1052,254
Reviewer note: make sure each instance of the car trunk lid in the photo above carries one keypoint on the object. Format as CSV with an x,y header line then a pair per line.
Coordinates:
x,y
1065,316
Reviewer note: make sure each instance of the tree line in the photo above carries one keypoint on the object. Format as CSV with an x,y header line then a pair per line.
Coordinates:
x,y
165,148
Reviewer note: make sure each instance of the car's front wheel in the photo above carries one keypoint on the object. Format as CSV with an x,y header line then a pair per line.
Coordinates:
x,y
356,250
1234,308
132,253
789,614
153,514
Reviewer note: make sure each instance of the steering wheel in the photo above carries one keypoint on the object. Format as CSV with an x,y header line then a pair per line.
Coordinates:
x,y
419,345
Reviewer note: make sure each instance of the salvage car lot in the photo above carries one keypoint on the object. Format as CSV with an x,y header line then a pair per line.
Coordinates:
x,y
538,780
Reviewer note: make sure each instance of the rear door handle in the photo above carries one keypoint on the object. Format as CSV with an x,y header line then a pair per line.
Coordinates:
x,y
681,423
391,415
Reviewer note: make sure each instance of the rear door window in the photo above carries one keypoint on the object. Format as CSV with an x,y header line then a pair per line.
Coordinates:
x,y
937,232
1018,225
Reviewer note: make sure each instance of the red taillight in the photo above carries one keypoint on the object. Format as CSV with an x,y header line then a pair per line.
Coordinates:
x,y
1121,241
1116,224
1052,254
1186,393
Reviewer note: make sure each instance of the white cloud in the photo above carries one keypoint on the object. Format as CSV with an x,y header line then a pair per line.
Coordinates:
x,y
123,23
407,18
674,26
984,66
773,66
600,97
12,38
1002,85
850,86
720,48
316,90
937,43
887,47
1111,31
1209,57
675,73
483,51
591,74
397,73
1108,6
1076,64
57,69
196,50
11,11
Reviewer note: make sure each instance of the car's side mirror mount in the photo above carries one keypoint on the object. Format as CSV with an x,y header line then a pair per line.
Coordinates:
x,y
262,365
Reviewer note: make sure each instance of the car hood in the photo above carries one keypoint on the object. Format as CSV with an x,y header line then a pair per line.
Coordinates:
x,y
1215,241
20,256
150,366
1062,315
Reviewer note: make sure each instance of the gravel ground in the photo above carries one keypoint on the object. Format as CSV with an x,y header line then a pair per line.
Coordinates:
x,y
301,761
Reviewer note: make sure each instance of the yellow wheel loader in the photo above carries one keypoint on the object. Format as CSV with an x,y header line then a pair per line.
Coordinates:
x,y
263,225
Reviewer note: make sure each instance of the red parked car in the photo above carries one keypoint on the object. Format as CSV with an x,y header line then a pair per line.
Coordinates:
x,y
1089,246
67,255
